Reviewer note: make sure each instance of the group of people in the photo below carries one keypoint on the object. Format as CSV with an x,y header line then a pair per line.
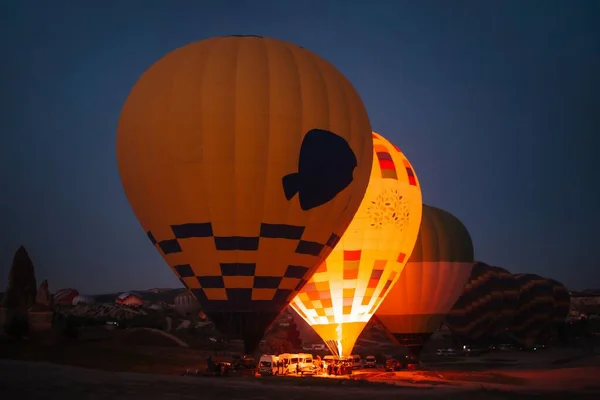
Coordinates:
x,y
334,367
337,367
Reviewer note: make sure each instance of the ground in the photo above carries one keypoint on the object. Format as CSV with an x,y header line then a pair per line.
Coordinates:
x,y
122,369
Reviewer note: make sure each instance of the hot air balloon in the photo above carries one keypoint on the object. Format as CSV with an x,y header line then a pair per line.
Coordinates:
x,y
244,159
129,299
535,314
562,301
487,305
508,291
83,299
346,290
432,280
65,296
560,306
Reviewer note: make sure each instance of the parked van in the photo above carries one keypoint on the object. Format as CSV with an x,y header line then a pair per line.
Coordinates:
x,y
290,362
356,361
306,364
267,365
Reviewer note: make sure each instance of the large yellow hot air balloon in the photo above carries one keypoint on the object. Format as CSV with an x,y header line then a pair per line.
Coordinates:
x,y
348,287
244,159
431,282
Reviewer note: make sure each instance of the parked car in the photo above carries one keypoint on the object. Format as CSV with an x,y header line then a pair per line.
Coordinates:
x,y
391,364
451,352
470,350
400,363
447,352
370,362
506,347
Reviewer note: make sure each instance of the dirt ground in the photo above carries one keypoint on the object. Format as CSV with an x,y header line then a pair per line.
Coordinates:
x,y
97,370
27,380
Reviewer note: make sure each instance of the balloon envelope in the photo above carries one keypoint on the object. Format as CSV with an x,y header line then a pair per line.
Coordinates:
x,y
244,159
508,292
83,299
535,313
486,306
346,290
129,299
562,301
65,296
560,309
432,280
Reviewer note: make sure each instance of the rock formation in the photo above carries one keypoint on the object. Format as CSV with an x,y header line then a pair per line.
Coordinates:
x,y
21,290
43,294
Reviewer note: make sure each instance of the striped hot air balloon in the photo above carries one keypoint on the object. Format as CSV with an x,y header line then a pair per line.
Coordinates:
x,y
65,296
509,293
487,305
431,281
562,301
535,313
561,307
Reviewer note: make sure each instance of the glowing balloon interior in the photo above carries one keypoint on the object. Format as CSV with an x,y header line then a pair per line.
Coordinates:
x,y
347,288
244,159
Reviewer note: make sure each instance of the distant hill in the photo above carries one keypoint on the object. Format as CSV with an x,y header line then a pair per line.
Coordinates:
x,y
586,293
152,295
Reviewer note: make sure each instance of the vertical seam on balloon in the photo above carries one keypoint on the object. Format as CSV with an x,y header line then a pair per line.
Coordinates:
x,y
310,220
316,63
205,167
268,138
298,137
238,43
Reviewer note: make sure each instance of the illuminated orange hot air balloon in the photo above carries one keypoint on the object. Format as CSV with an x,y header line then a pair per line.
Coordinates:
x,y
244,159
345,291
434,277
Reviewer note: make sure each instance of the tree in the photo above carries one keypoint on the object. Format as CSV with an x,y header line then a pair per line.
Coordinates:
x,y
293,336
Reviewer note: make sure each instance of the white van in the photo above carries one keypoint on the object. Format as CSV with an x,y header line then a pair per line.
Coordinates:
x,y
306,364
356,361
267,365
290,362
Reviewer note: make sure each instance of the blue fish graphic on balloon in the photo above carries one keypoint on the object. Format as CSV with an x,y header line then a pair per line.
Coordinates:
x,y
325,167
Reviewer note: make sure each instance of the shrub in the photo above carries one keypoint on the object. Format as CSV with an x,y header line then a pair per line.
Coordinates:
x,y
17,327
70,331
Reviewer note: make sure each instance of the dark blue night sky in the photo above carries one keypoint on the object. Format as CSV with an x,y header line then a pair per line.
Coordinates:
x,y
495,103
